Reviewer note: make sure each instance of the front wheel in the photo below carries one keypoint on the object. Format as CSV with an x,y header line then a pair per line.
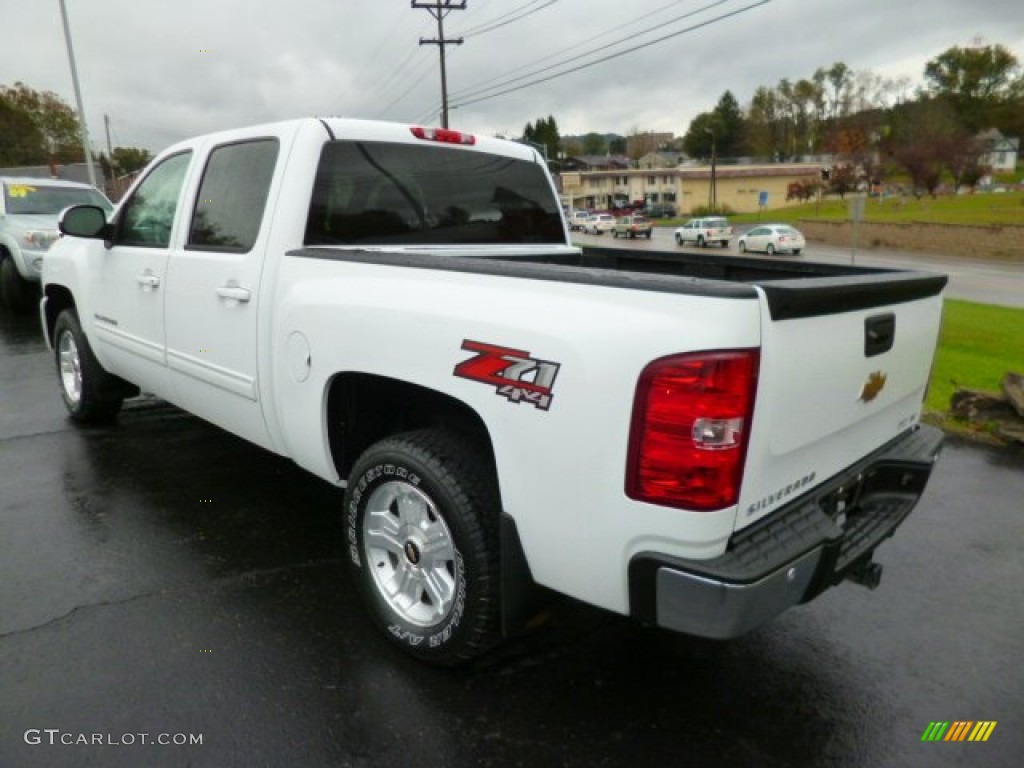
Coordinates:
x,y
90,394
679,240
421,512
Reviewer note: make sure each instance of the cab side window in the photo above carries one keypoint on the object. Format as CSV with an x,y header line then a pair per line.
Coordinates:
x,y
147,218
232,196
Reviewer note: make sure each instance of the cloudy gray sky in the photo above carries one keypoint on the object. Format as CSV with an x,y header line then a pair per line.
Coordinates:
x,y
163,70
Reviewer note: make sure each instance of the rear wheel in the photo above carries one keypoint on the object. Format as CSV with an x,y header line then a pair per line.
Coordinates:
x,y
84,386
700,241
796,251
769,249
421,514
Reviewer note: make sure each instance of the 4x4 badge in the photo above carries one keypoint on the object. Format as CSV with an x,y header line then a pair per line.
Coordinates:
x,y
870,389
514,374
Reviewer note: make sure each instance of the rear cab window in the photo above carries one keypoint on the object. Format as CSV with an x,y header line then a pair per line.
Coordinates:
x,y
233,196
383,193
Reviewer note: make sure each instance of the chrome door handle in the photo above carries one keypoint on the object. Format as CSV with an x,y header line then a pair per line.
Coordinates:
x,y
234,293
148,280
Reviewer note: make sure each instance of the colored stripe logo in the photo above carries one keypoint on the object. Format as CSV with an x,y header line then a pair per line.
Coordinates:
x,y
959,730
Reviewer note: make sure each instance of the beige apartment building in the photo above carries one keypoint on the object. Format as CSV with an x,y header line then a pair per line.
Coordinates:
x,y
743,188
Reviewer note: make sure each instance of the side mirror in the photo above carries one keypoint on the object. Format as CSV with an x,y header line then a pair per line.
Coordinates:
x,y
83,221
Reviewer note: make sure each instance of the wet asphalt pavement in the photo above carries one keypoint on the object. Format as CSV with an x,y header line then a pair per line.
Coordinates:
x,y
162,577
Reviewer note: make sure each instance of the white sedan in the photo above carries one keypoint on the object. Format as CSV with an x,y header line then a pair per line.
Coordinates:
x,y
599,224
772,239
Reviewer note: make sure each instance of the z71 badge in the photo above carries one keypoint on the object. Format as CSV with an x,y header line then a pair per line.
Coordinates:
x,y
513,373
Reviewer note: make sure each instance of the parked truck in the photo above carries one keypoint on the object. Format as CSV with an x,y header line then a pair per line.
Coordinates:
x,y
697,441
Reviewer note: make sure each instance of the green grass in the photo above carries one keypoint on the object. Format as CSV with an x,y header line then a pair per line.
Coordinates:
x,y
977,345
981,208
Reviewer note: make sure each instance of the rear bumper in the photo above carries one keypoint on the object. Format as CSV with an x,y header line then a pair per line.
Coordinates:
x,y
793,555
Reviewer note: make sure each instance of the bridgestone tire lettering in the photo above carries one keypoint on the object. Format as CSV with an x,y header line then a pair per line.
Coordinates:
x,y
455,477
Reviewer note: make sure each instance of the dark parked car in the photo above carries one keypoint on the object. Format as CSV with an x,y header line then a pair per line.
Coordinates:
x,y
660,211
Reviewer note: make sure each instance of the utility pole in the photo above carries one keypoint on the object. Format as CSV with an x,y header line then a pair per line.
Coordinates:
x,y
439,9
713,190
83,129
110,149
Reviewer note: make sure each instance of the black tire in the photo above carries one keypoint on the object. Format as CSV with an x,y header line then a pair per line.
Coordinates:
x,y
796,251
679,240
615,234
449,497
725,243
16,293
743,246
97,398
700,241
649,233
769,249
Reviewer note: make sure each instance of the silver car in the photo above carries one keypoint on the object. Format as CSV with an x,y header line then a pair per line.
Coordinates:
x,y
28,227
772,239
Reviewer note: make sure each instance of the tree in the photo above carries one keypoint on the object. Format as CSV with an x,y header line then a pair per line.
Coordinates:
x,y
594,144
839,77
842,179
545,133
802,190
128,160
763,125
54,120
21,141
729,126
725,122
975,80
697,141
921,137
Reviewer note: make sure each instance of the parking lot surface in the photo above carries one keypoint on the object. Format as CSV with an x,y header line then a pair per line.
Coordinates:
x,y
162,577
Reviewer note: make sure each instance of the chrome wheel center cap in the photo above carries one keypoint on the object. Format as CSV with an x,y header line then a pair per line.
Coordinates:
x,y
412,552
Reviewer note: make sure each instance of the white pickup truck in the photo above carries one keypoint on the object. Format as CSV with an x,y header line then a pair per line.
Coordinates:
x,y
697,441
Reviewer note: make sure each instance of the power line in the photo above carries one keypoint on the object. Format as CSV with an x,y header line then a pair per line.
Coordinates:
x,y
469,93
479,86
498,23
618,54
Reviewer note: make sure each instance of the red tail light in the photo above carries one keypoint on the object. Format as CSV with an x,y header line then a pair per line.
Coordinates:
x,y
443,135
691,424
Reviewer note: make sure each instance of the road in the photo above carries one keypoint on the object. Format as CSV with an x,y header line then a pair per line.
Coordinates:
x,y
162,577
985,282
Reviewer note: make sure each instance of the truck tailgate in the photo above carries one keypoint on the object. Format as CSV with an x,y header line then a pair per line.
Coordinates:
x,y
844,367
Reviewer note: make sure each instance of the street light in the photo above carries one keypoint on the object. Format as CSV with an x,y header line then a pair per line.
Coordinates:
x,y
83,130
713,191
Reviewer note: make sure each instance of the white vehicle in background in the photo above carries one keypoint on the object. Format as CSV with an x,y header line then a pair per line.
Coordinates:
x,y
705,231
772,239
28,227
576,220
599,224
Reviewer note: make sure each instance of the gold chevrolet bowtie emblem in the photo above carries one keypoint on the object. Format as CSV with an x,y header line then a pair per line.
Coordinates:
x,y
870,389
